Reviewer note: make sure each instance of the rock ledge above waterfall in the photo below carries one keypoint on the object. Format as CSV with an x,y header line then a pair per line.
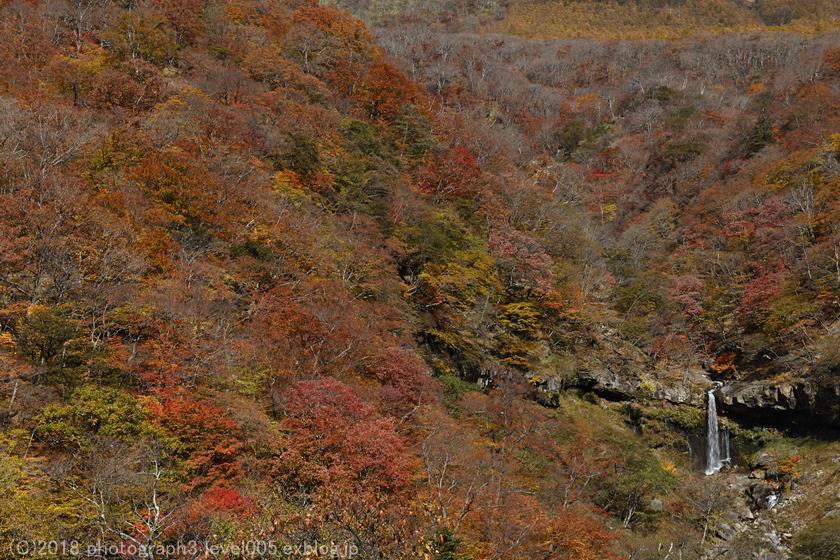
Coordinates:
x,y
778,402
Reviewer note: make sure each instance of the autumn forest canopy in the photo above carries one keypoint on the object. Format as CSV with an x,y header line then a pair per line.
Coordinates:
x,y
447,280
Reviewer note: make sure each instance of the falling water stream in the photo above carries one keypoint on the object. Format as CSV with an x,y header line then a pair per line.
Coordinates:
x,y
713,460
724,446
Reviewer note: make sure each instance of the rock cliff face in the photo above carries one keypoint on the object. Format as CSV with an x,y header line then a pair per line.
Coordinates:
x,y
686,387
791,403
618,371
798,401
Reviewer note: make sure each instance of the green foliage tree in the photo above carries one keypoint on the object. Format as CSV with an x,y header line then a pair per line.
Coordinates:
x,y
95,411
446,546
636,479
761,134
143,34
302,155
48,336
30,510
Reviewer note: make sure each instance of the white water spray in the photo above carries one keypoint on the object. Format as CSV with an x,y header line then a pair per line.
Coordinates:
x,y
726,459
713,461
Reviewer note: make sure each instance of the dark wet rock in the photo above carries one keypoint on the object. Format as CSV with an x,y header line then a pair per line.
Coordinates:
x,y
609,384
796,401
761,496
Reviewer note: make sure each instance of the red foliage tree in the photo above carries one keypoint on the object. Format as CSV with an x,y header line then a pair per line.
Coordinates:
x,y
331,44
406,379
217,503
384,91
207,439
453,174
687,291
339,444
759,291
522,259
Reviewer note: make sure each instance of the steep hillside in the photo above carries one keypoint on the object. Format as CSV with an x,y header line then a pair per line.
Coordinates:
x,y
717,154
604,19
234,239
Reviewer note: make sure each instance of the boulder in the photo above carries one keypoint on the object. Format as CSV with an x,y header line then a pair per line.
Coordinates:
x,y
725,532
761,496
763,461
676,394
773,473
833,514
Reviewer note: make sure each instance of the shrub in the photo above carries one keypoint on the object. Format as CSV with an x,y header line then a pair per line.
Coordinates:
x,y
682,151
637,479
820,541
302,156
94,411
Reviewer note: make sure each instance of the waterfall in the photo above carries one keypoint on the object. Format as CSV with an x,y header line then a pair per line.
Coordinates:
x,y
713,462
724,446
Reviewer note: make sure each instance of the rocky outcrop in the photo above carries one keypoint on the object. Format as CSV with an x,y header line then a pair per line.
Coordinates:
x,y
630,381
782,403
608,383
687,386
616,370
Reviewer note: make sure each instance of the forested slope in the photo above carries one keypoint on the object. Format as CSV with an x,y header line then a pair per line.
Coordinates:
x,y
705,173
658,19
605,19
226,227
